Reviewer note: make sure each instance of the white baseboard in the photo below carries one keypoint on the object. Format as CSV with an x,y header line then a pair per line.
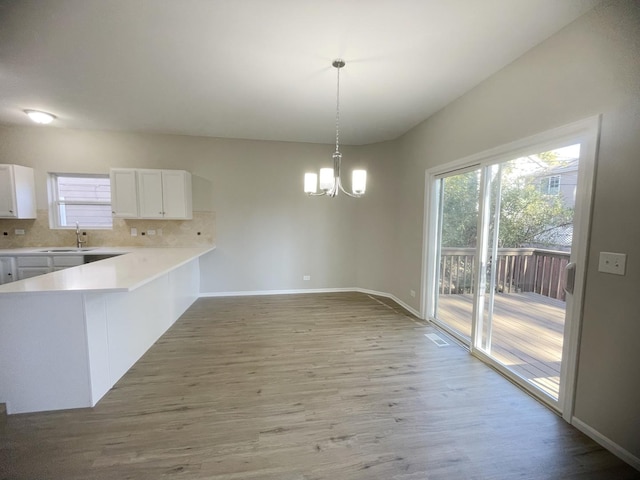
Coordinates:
x,y
613,447
248,293
389,296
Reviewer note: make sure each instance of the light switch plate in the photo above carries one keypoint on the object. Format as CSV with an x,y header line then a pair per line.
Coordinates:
x,y
614,263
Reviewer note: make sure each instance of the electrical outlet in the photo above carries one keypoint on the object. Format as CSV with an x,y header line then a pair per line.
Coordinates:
x,y
151,232
306,277
412,293
614,263
19,231
134,232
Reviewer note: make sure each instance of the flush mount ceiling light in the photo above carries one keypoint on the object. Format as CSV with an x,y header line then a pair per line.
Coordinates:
x,y
40,117
330,183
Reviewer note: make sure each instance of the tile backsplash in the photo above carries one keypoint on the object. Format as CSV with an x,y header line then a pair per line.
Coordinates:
x,y
198,232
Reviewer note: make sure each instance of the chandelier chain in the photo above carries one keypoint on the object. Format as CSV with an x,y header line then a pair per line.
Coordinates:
x,y
338,112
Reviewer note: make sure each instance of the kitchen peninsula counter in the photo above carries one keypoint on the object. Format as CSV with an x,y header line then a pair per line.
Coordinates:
x,y
67,337
128,269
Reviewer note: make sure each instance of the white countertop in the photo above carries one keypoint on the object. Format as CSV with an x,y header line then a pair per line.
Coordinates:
x,y
121,273
48,251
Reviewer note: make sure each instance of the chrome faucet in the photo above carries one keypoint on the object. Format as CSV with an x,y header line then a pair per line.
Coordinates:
x,y
79,240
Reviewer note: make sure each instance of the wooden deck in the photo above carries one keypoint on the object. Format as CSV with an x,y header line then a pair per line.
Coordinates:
x,y
527,333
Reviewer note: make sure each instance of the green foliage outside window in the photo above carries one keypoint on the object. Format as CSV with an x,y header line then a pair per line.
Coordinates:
x,y
526,213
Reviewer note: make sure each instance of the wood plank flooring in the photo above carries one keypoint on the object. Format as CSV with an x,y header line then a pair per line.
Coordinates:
x,y
304,387
527,333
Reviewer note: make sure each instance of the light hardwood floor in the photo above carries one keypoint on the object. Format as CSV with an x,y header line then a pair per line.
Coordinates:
x,y
304,387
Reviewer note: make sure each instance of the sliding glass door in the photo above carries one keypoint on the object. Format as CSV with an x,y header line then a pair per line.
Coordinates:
x,y
525,249
457,243
502,252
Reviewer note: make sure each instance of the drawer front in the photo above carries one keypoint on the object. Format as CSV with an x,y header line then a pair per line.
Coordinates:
x,y
30,272
68,260
33,261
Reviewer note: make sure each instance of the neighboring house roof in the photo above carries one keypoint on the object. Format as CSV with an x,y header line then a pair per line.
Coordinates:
x,y
556,237
568,167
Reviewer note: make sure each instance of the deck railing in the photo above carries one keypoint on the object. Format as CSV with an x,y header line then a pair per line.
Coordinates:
x,y
518,270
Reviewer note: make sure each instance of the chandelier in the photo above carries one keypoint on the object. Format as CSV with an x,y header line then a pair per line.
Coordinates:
x,y
330,183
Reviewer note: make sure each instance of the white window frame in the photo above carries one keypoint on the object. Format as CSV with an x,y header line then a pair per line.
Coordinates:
x,y
547,186
55,204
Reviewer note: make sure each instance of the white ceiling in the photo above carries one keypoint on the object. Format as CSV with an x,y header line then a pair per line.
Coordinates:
x,y
259,69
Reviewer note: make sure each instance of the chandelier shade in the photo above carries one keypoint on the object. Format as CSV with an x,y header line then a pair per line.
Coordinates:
x,y
329,181
359,181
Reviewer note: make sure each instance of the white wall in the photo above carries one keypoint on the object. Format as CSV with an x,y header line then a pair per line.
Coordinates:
x,y
269,233
376,222
590,67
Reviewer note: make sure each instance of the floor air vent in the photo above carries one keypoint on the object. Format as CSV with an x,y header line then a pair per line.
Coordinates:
x,y
439,341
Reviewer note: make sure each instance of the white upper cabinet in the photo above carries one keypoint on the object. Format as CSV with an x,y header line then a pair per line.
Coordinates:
x,y
164,194
176,194
124,193
17,192
150,190
151,193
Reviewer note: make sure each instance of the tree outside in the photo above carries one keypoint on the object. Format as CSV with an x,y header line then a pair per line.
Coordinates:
x,y
527,214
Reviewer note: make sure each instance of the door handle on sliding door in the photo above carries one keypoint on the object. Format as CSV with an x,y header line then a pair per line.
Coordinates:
x,y
570,277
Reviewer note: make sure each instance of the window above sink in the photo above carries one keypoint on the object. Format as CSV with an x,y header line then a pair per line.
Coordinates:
x,y
82,198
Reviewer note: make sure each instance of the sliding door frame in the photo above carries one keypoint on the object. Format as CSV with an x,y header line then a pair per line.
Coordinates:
x,y
586,132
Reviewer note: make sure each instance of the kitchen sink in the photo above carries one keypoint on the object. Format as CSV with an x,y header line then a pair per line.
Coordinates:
x,y
66,250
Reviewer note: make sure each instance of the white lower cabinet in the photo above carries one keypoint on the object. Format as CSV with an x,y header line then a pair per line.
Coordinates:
x,y
65,261
7,270
33,266
30,272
